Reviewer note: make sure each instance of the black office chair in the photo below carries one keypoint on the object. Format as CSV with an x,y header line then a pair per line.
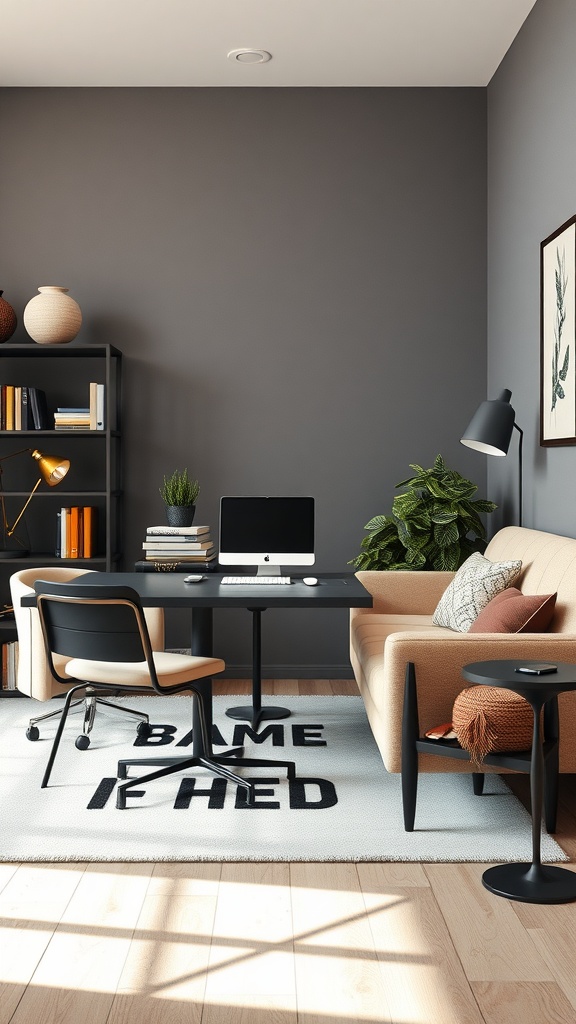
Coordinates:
x,y
103,631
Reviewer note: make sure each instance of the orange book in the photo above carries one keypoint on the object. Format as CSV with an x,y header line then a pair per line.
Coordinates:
x,y
9,407
90,516
74,532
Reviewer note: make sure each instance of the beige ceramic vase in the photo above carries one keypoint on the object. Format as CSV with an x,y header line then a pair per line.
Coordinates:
x,y
52,317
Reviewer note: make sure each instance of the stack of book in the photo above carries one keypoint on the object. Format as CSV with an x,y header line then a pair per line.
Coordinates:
x,y
89,417
67,418
178,547
76,531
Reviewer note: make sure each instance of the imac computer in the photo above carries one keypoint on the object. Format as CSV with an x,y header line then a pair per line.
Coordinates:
x,y
268,532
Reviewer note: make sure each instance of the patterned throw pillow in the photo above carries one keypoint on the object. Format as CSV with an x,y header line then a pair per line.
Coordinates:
x,y
475,584
514,612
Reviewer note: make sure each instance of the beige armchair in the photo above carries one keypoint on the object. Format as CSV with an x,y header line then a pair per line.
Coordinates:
x,y
33,675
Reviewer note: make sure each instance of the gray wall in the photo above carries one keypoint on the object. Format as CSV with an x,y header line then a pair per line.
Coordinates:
x,y
297,278
531,192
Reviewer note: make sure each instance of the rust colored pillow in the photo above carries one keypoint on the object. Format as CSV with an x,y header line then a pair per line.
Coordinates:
x,y
514,612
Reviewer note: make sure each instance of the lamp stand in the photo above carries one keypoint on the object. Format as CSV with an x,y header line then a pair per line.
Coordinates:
x,y
10,546
520,440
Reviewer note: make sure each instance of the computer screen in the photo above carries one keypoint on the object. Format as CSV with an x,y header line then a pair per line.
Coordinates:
x,y
266,531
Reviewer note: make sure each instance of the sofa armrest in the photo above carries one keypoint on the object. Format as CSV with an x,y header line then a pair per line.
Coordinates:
x,y
439,663
404,593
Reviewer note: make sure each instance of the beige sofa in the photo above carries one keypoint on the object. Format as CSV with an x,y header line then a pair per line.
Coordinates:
x,y
398,630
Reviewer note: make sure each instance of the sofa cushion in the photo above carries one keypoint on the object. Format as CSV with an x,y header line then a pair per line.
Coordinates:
x,y
475,584
514,612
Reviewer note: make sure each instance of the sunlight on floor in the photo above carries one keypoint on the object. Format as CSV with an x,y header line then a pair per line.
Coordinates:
x,y
251,939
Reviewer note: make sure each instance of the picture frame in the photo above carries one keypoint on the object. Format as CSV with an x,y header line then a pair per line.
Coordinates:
x,y
558,336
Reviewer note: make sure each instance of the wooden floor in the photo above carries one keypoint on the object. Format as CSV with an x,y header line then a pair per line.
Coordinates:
x,y
282,943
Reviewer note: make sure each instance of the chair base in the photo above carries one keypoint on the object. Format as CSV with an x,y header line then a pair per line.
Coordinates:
x,y
218,765
90,702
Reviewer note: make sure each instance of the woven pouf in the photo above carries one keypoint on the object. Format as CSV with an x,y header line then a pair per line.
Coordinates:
x,y
487,719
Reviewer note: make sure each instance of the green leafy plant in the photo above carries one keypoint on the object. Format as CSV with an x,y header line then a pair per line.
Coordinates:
x,y
434,524
179,489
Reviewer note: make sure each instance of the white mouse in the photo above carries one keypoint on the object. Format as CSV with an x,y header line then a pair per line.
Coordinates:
x,y
310,581
193,579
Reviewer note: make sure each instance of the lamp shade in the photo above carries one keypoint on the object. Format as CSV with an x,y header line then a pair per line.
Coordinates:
x,y
490,428
52,468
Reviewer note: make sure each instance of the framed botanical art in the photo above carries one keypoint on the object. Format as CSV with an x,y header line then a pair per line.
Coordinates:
x,y
558,336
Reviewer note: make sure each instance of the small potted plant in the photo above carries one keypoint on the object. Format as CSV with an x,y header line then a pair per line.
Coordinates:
x,y
179,494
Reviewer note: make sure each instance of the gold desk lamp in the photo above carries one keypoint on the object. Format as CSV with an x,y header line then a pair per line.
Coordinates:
x,y
53,469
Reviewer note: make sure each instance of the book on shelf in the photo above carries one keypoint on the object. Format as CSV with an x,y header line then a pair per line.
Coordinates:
x,y
25,414
92,410
77,537
90,516
26,408
100,416
76,543
39,409
96,410
9,659
9,407
18,407
176,531
69,423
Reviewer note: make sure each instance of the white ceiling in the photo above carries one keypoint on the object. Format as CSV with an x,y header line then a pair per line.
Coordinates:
x,y
312,42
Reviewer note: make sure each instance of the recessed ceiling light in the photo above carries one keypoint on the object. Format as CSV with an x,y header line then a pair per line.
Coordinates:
x,y
250,56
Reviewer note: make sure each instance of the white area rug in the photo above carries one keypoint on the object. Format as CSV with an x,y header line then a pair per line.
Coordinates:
x,y
350,810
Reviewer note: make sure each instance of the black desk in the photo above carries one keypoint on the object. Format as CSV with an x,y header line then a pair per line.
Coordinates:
x,y
168,590
535,882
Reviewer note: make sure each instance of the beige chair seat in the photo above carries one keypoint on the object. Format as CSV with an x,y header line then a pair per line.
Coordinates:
x,y
172,669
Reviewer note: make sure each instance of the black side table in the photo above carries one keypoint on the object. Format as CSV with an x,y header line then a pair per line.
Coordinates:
x,y
535,882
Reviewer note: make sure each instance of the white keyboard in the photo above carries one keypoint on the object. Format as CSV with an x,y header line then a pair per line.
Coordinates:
x,y
249,580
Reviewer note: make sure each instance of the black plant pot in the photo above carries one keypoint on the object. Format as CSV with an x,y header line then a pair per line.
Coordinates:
x,y
180,515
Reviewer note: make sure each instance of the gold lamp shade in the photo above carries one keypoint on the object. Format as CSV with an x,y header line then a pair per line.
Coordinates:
x,y
53,468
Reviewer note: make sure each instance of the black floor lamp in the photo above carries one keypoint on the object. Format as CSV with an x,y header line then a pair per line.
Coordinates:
x,y
490,431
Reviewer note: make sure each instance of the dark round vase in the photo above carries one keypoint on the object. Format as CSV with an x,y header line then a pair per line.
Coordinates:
x,y
180,515
8,320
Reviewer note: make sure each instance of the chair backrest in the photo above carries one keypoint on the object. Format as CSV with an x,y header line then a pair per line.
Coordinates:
x,y
34,676
93,622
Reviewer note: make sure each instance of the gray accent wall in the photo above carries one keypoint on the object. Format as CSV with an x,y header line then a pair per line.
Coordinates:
x,y
531,192
297,279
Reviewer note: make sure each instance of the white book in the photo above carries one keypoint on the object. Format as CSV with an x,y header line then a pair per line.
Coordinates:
x,y
100,418
63,533
176,531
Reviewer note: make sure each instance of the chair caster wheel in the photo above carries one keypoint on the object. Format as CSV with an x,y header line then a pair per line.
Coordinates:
x,y
144,730
83,742
32,733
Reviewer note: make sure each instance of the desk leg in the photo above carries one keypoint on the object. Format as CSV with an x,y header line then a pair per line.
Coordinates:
x,y
535,882
202,643
255,713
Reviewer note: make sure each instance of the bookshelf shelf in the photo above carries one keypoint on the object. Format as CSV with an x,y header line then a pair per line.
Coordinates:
x,y
64,373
